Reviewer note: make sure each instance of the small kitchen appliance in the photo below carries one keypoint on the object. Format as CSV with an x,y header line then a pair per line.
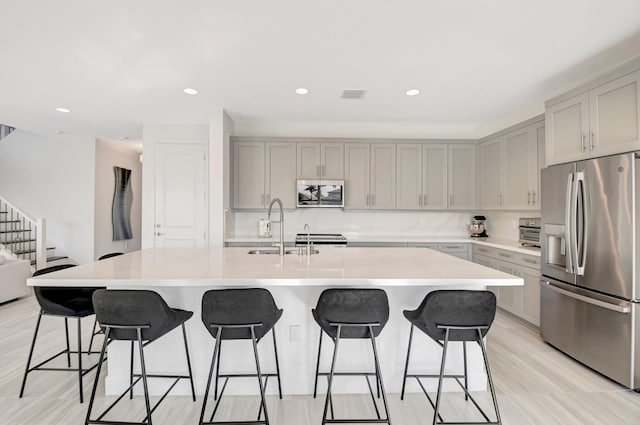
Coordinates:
x,y
529,231
477,227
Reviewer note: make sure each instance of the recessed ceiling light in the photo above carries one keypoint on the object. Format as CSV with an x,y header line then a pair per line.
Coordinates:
x,y
412,92
191,91
123,138
65,110
58,132
302,90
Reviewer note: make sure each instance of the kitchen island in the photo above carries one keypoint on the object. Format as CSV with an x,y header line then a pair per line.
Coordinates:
x,y
182,275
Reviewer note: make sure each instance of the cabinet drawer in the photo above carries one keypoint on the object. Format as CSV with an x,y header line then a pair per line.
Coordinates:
x,y
504,255
376,245
484,250
422,245
527,261
452,247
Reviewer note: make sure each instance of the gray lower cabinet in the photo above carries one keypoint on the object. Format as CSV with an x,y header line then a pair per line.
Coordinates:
x,y
522,301
457,249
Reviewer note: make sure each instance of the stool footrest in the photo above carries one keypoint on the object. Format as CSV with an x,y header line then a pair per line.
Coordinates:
x,y
357,421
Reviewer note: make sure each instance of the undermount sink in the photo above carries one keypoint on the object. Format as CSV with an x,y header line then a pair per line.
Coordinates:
x,y
275,251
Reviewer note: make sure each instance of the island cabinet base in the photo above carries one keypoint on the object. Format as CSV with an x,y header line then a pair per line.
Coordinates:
x,y
297,337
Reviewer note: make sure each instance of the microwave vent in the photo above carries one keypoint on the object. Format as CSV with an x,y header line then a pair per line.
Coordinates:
x,y
353,94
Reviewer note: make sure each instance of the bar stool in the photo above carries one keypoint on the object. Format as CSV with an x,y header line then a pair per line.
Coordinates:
x,y
352,314
240,314
141,316
69,303
454,315
110,255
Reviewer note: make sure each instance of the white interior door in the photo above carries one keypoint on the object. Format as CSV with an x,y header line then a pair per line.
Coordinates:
x,y
180,195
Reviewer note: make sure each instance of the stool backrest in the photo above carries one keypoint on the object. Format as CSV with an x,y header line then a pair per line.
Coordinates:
x,y
457,308
109,255
352,306
52,269
131,308
239,307
62,301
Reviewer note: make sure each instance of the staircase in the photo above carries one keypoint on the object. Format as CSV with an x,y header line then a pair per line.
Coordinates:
x,y
24,238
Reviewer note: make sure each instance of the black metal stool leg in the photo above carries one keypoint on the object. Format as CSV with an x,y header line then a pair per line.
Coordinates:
x,y
93,334
95,382
211,369
315,385
379,374
66,332
143,371
466,383
491,387
186,350
441,378
275,351
131,373
255,353
333,368
80,361
215,389
33,344
406,364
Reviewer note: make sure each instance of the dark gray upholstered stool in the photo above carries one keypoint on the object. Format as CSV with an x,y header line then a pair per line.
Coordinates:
x,y
352,314
237,314
68,303
454,315
141,316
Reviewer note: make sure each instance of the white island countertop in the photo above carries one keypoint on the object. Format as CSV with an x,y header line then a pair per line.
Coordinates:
x,y
229,267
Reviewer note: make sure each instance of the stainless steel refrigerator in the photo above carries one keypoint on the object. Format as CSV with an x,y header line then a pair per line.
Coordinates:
x,y
589,288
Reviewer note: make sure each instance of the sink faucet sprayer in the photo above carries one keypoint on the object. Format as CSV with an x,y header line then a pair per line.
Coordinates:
x,y
280,244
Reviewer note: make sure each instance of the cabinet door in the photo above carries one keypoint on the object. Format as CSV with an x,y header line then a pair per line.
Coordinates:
x,y
531,295
434,177
491,177
332,161
248,175
541,163
281,173
518,166
356,175
567,128
308,161
488,262
409,178
462,177
383,176
615,116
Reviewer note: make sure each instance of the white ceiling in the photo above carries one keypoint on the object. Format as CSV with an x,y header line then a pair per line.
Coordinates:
x,y
479,63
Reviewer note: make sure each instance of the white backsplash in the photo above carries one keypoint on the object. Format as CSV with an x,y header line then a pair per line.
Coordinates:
x,y
403,223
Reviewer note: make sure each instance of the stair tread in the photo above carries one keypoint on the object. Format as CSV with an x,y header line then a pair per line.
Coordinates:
x,y
9,221
49,259
27,251
15,231
17,241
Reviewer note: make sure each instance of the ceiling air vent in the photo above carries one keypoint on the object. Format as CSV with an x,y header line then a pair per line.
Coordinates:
x,y
353,94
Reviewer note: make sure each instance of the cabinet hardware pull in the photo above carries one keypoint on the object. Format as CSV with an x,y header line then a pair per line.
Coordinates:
x,y
529,198
593,140
502,254
584,139
528,260
534,197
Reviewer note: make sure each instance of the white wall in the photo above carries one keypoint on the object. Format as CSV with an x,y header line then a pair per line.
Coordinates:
x,y
153,134
109,155
53,178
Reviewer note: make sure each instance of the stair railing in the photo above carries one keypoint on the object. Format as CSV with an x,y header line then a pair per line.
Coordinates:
x,y
19,233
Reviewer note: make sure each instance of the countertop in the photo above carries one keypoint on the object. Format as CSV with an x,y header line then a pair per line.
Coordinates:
x,y
507,244
234,267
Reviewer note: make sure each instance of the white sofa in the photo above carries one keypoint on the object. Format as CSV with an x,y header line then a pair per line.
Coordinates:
x,y
13,279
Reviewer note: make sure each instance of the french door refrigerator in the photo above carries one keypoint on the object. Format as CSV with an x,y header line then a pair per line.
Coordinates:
x,y
589,295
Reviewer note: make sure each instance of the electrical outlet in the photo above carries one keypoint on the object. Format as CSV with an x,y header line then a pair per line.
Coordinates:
x,y
295,334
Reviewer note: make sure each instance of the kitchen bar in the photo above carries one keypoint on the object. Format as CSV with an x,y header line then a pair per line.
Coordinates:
x,y
181,276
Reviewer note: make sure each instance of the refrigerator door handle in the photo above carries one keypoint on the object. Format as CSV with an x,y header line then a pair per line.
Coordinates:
x,y
580,191
568,224
589,300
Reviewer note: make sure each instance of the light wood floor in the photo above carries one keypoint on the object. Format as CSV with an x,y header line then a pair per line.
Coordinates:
x,y
536,385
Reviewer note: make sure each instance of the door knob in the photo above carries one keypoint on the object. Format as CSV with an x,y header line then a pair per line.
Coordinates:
x,y
159,234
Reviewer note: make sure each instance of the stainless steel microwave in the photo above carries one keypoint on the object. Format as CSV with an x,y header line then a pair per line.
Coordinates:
x,y
320,194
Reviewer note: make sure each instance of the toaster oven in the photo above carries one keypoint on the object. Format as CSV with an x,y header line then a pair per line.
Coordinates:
x,y
529,231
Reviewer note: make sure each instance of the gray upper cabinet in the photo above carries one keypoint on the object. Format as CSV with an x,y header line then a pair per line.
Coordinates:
x,y
370,175
262,171
462,177
602,121
320,161
421,181
510,169
357,175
